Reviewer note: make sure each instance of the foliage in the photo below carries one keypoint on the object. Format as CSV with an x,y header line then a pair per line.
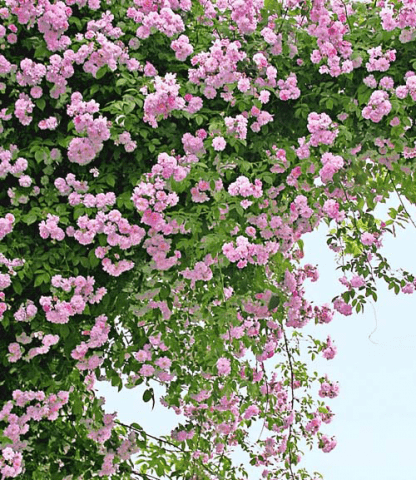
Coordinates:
x,y
161,162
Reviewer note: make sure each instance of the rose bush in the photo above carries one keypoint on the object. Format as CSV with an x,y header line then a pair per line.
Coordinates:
x,y
161,161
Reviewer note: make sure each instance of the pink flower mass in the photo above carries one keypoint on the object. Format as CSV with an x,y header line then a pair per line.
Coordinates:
x,y
219,144
162,164
223,366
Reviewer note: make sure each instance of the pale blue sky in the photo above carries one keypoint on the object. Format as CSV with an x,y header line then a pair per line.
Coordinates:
x,y
375,422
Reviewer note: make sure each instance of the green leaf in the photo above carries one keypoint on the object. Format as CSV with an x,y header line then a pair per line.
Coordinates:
x,y
38,280
148,395
75,21
85,262
128,107
41,103
5,440
101,72
64,331
137,427
17,287
40,155
41,52
273,303
64,142
110,180
77,406
329,103
93,260
164,292
29,218
94,88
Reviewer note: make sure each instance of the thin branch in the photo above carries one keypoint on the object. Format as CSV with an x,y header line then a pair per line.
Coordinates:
x,y
358,232
292,376
267,400
292,380
375,328
346,15
223,453
279,31
162,440
158,439
145,475
401,201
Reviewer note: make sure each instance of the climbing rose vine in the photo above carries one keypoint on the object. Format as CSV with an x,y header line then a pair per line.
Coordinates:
x,y
161,162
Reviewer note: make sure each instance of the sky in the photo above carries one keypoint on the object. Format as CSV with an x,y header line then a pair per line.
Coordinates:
x,y
375,421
